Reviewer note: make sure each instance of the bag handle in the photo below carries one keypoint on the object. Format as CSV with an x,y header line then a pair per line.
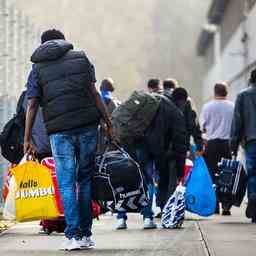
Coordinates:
x,y
31,157
107,149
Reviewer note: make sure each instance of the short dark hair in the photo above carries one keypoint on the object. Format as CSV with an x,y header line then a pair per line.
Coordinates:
x,y
221,89
153,83
253,77
180,93
107,85
51,34
170,83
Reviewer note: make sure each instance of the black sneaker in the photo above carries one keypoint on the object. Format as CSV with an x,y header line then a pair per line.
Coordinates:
x,y
226,213
251,207
254,220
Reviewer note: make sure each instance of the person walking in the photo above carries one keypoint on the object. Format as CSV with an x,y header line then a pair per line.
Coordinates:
x,y
169,85
169,164
181,99
146,162
243,131
216,119
163,142
154,86
106,91
62,81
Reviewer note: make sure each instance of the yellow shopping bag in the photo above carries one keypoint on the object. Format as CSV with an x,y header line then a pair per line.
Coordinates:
x,y
34,195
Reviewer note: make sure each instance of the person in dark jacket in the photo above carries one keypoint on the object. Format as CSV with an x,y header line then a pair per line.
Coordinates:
x,y
243,131
62,81
164,142
168,132
169,159
182,101
106,91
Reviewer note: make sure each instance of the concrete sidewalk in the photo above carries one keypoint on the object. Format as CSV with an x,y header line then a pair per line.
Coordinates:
x,y
215,236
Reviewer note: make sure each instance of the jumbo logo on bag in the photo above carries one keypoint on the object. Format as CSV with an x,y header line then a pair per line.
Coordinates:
x,y
29,190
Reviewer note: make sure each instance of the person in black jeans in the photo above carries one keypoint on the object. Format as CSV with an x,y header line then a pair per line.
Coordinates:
x,y
216,119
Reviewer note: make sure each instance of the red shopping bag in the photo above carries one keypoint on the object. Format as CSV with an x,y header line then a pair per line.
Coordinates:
x,y
49,163
187,170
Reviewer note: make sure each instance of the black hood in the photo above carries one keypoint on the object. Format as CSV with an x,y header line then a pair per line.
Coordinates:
x,y
51,50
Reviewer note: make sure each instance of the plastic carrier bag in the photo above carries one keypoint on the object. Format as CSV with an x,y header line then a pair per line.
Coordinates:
x,y
200,194
174,210
9,210
34,192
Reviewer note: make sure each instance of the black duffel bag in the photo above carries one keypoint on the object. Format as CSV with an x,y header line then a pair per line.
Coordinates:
x,y
118,181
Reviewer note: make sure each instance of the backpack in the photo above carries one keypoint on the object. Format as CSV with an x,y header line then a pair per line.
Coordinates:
x,y
12,135
132,118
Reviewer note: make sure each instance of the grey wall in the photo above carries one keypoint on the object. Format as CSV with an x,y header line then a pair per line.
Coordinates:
x,y
130,40
232,19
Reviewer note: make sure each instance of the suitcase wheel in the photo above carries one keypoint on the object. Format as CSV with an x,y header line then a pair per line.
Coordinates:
x,y
47,231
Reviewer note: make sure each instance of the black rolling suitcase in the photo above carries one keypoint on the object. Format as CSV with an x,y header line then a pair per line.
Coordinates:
x,y
231,182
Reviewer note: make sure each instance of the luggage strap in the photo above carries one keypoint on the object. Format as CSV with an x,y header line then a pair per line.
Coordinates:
x,y
105,155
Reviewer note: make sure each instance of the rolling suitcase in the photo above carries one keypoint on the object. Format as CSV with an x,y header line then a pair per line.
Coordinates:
x,y
231,182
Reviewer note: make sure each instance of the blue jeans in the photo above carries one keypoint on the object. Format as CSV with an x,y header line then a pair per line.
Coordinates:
x,y
250,155
147,167
74,159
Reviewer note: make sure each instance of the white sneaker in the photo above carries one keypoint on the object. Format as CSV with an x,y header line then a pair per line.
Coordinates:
x,y
70,245
149,224
121,224
87,243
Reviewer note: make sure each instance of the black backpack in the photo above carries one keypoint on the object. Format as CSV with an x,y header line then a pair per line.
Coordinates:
x,y
12,135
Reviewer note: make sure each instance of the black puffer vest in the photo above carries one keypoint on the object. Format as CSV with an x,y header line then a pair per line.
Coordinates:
x,y
64,76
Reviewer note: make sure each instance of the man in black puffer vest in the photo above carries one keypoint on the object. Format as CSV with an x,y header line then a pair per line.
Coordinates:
x,y
62,81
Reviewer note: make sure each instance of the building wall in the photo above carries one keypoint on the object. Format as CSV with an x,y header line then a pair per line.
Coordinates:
x,y
234,65
18,39
251,3
133,40
232,19
209,57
